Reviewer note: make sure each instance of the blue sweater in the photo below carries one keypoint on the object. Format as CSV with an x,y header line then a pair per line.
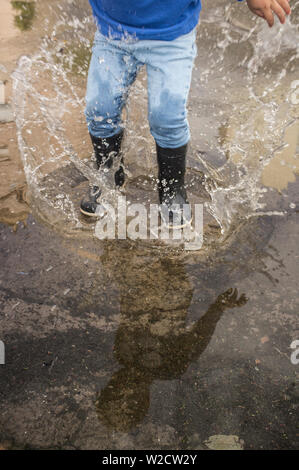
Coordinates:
x,y
146,19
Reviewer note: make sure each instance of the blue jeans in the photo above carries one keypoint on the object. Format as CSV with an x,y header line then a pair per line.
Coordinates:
x,y
113,68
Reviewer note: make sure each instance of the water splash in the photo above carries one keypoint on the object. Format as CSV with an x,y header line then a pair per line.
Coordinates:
x,y
244,87
258,88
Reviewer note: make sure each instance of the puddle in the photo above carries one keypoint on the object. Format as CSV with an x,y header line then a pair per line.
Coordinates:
x,y
284,166
14,208
153,340
154,346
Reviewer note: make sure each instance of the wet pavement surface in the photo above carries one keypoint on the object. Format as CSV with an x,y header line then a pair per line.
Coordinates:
x,y
118,344
111,346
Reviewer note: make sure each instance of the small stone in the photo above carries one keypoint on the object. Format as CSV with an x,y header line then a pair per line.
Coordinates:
x,y
224,442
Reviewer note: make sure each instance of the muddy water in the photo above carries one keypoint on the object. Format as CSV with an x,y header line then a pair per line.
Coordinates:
x,y
115,344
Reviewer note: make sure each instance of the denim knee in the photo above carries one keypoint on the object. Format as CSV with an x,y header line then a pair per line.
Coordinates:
x,y
168,119
169,129
103,117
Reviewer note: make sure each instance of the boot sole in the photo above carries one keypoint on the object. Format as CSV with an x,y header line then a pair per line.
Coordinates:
x,y
89,214
178,226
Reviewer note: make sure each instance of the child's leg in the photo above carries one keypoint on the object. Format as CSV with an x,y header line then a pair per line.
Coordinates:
x,y
111,72
169,68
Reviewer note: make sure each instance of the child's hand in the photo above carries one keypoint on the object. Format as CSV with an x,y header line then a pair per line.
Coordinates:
x,y
265,9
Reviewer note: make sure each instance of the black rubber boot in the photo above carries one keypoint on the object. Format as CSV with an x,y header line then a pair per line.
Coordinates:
x,y
105,151
175,209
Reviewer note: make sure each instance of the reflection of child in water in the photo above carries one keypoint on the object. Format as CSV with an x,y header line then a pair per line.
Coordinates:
x,y
152,341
